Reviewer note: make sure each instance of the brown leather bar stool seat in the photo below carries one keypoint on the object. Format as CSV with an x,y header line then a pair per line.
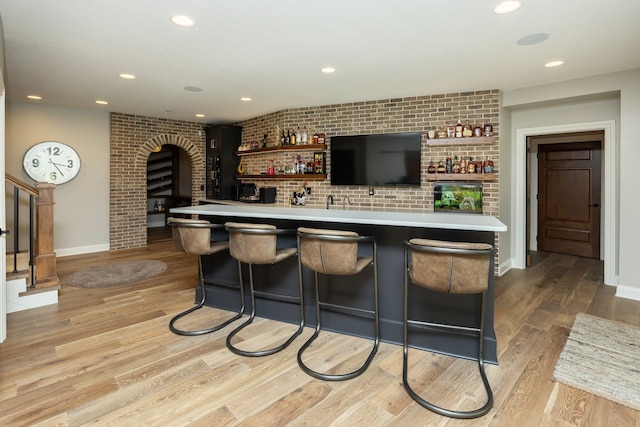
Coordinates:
x,y
256,244
193,236
335,252
453,268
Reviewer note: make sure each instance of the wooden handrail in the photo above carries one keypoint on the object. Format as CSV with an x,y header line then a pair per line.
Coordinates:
x,y
21,185
43,256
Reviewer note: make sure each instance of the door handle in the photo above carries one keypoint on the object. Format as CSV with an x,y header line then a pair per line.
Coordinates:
x,y
3,231
595,205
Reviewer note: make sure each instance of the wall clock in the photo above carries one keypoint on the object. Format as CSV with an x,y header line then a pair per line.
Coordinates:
x,y
52,162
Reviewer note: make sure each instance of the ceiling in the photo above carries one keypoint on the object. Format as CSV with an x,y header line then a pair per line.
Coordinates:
x,y
70,52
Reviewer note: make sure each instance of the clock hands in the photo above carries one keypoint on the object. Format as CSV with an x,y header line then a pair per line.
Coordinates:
x,y
56,166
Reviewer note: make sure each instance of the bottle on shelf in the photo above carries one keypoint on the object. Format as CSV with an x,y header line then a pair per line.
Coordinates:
x,y
315,138
456,164
471,166
304,137
459,129
487,165
467,130
298,136
431,168
292,139
163,207
448,165
440,168
155,207
287,139
271,169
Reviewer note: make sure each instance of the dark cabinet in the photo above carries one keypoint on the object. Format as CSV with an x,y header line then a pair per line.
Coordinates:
x,y
221,162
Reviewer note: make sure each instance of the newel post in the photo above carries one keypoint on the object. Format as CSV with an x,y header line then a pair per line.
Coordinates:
x,y
45,257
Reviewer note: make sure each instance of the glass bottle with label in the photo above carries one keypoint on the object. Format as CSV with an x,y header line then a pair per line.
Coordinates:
x,y
487,165
431,168
459,129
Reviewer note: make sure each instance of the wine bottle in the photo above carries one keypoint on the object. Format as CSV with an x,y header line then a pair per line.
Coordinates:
x,y
287,139
293,138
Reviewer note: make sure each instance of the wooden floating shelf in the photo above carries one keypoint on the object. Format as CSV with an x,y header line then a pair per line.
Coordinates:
x,y
291,176
461,176
471,140
307,147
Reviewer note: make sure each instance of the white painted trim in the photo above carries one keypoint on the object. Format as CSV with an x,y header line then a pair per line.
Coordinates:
x,y
610,208
628,292
505,266
82,250
3,222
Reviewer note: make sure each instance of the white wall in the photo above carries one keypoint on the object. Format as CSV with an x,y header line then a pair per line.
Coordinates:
x,y
582,99
81,215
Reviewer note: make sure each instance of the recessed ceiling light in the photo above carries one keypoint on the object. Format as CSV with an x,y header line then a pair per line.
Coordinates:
x,y
182,21
532,39
554,64
200,115
36,97
193,89
245,99
101,102
328,70
127,76
507,7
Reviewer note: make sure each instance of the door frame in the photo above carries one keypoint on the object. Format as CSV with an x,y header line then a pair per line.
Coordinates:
x,y
3,223
609,195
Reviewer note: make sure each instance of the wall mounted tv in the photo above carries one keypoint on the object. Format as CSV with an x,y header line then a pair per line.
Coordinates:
x,y
390,159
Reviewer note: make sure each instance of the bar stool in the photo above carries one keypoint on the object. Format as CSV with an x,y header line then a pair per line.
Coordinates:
x,y
335,252
454,268
255,244
193,236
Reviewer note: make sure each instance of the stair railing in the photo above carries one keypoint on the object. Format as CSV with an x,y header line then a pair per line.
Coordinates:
x,y
42,258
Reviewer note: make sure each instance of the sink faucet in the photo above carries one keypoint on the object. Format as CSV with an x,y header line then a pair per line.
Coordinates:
x,y
346,200
329,200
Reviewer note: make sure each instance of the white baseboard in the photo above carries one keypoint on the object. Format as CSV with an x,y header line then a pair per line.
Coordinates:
x,y
505,266
82,250
15,302
628,292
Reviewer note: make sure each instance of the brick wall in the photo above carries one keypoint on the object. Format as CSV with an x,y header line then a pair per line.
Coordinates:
x,y
132,139
411,114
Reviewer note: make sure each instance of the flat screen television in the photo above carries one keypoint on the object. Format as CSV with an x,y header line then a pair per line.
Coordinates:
x,y
390,159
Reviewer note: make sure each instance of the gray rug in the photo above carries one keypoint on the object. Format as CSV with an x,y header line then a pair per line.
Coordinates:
x,y
115,274
602,357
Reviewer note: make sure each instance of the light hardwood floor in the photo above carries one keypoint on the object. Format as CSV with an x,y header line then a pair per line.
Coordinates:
x,y
106,357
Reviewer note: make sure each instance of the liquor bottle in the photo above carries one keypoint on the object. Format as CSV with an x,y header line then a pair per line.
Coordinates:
x,y
271,169
287,139
471,166
467,130
456,164
431,168
440,168
293,138
282,138
459,129
298,136
155,207
162,208
487,165
304,137
448,166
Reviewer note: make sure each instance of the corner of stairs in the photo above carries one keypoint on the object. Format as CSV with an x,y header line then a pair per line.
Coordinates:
x,y
19,296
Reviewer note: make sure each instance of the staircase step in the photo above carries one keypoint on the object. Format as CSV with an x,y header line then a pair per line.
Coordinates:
x,y
22,262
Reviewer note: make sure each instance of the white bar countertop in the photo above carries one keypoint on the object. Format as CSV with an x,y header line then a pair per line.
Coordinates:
x,y
452,221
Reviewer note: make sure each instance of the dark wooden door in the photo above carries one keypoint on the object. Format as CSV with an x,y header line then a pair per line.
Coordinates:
x,y
569,180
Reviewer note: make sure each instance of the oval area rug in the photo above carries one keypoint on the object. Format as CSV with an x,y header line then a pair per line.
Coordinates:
x,y
115,274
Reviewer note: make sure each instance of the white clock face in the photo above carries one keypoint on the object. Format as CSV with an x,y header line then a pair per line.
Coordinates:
x,y
51,162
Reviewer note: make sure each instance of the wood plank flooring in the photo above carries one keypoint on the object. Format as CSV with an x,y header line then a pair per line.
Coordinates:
x,y
107,357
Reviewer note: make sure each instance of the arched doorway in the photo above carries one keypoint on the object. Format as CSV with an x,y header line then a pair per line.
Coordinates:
x,y
169,179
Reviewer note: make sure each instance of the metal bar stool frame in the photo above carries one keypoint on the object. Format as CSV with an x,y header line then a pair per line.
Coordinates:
x,y
479,331
247,229
221,246
321,304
